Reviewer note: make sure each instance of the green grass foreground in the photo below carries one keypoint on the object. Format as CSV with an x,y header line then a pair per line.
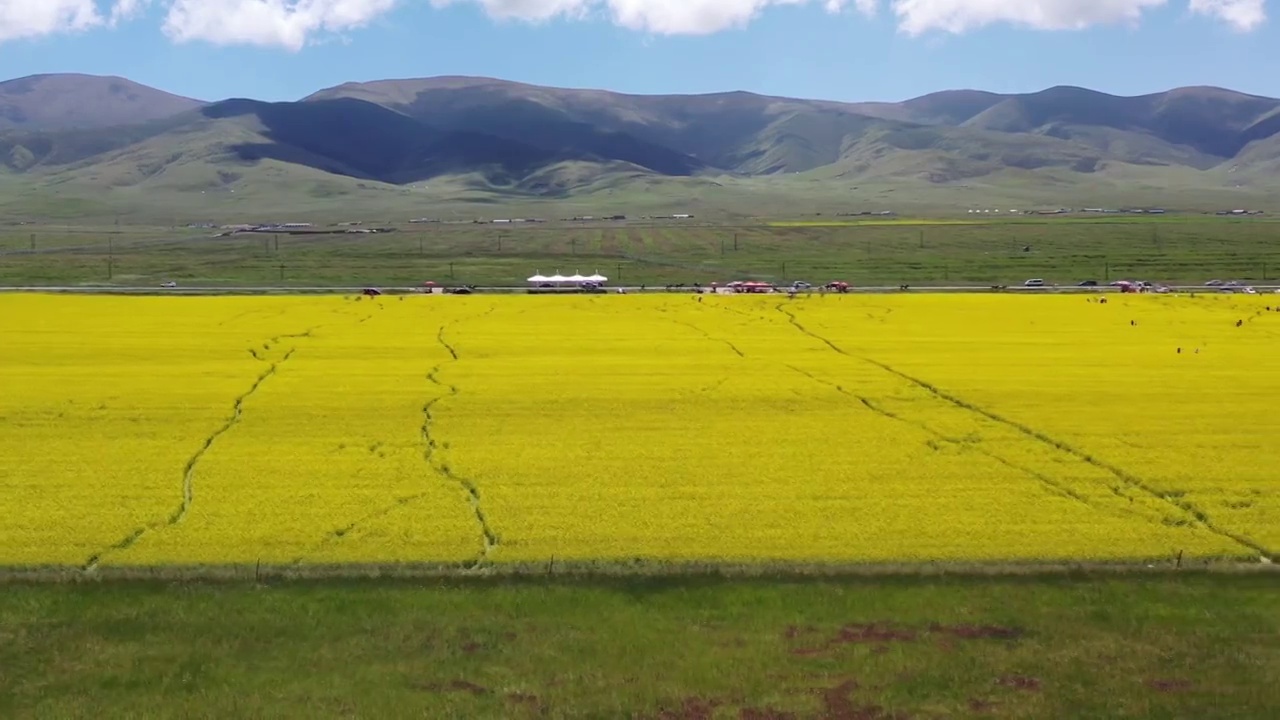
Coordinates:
x,y
1088,646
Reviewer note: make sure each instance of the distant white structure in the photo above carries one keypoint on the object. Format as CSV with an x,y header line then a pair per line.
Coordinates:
x,y
557,279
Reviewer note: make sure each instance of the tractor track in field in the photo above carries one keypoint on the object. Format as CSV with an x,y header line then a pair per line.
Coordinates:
x,y
428,453
1054,487
719,382
189,469
736,350
489,539
431,457
1125,478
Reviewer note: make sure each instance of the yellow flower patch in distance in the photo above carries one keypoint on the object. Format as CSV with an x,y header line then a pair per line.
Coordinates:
x,y
484,430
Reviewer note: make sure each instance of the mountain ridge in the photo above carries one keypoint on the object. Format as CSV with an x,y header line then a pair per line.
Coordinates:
x,y
515,139
77,101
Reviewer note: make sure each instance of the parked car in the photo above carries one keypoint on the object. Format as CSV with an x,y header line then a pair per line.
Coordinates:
x,y
1087,283
1034,282
169,284
1213,283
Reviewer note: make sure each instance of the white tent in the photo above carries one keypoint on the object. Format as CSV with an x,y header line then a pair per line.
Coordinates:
x,y
597,278
538,278
576,277
557,278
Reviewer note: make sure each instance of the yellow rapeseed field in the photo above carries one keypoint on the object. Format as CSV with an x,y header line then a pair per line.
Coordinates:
x,y
484,430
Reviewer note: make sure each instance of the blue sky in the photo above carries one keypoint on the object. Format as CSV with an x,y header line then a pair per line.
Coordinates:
x,y
799,49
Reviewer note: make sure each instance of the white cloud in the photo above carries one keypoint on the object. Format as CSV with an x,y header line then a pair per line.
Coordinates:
x,y
664,17
34,18
957,16
697,17
125,10
291,24
37,18
1243,15
280,23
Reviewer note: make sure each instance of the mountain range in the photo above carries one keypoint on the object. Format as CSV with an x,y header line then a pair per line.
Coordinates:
x,y
93,136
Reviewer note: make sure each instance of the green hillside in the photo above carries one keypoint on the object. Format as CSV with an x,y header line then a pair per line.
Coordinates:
x,y
482,148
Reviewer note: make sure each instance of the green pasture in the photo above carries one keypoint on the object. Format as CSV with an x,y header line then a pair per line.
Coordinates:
x,y
1161,646
1061,250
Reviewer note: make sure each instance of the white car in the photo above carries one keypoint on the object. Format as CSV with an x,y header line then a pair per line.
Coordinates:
x,y
1034,282
169,284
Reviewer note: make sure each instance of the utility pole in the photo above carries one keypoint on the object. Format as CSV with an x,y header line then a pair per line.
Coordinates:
x,y
735,242
451,277
277,237
573,245
281,272
421,246
921,239
619,278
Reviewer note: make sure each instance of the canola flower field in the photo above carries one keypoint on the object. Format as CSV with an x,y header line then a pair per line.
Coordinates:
x,y
478,431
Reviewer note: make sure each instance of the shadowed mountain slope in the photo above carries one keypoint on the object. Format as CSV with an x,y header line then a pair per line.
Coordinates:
x,y
494,136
